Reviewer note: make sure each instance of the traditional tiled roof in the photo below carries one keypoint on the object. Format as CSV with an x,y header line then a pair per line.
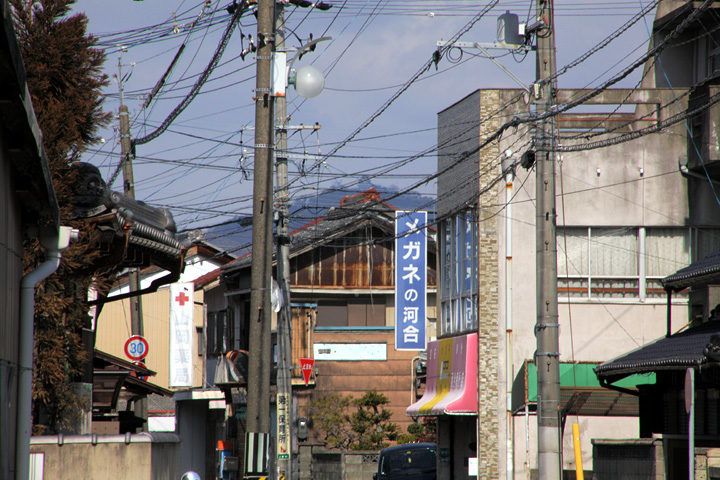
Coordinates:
x,y
694,347
701,272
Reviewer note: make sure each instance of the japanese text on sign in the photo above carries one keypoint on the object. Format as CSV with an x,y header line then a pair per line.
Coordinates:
x,y
410,280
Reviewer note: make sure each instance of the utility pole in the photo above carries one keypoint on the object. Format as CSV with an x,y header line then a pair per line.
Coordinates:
x,y
284,401
259,362
547,355
136,316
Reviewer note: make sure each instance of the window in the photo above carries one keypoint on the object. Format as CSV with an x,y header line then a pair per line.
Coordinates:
x,y
713,56
354,312
626,262
459,284
220,335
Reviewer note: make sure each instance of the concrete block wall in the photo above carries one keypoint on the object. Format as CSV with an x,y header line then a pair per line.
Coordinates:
x,y
317,463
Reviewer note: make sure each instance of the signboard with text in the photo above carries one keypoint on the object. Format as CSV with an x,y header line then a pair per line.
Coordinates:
x,y
181,334
410,280
283,425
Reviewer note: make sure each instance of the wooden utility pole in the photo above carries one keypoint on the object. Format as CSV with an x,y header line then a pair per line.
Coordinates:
x,y
126,149
260,359
284,401
547,356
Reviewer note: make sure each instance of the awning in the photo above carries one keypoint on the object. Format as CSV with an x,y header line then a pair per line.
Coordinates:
x,y
580,391
451,381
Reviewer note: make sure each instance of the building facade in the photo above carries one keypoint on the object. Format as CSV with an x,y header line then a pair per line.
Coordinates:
x,y
343,309
627,215
27,200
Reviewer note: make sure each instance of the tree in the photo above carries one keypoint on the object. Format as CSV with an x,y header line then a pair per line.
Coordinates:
x,y
64,77
366,428
424,431
329,414
371,422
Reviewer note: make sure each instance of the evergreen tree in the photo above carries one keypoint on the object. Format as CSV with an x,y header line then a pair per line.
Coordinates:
x,y
367,427
65,79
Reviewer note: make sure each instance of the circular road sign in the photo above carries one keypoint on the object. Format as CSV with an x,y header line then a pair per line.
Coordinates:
x,y
136,348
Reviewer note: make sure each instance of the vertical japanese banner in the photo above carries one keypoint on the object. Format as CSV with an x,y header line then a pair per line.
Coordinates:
x,y
283,430
410,280
181,334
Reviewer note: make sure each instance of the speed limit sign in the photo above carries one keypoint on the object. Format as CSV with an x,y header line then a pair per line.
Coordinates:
x,y
136,348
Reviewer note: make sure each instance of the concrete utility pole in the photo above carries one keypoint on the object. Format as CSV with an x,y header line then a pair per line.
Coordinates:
x,y
259,362
136,316
547,355
284,401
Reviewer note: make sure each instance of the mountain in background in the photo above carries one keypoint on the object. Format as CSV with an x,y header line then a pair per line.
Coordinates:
x,y
236,238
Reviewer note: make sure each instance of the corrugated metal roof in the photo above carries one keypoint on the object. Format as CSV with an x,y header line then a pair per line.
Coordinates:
x,y
693,347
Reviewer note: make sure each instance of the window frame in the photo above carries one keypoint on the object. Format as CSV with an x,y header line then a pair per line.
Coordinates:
x,y
645,286
459,277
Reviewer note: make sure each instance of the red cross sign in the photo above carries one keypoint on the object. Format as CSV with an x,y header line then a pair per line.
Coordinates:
x,y
182,298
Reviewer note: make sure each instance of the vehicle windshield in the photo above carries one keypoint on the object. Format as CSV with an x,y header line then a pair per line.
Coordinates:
x,y
405,462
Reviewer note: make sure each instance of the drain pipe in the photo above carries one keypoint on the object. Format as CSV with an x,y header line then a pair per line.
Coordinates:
x,y
54,241
508,167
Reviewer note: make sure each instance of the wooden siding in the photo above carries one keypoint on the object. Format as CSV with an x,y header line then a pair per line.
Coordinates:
x,y
303,325
10,269
10,277
363,259
113,329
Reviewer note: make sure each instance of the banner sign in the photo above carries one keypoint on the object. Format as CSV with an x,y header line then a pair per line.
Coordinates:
x,y
283,425
410,280
181,334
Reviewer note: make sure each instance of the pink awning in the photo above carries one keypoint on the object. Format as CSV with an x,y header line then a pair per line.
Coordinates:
x,y
451,381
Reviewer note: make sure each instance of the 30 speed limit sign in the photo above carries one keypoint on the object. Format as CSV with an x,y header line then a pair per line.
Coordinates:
x,y
136,348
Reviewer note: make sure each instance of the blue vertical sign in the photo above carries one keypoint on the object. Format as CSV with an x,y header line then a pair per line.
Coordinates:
x,y
410,280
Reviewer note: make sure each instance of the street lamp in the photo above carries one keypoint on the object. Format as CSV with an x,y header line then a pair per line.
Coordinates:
x,y
308,81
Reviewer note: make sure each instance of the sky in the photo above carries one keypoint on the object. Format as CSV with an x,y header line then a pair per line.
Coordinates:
x,y
201,166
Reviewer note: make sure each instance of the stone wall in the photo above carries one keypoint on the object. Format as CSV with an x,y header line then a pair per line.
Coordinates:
x,y
488,277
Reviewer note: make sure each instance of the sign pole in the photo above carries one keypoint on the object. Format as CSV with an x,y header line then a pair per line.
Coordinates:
x,y
690,409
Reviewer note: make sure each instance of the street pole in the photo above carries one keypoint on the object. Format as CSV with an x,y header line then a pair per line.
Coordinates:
x,y
136,316
547,356
259,362
284,401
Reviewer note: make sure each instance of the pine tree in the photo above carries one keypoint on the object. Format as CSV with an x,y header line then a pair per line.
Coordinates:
x,y
364,428
65,79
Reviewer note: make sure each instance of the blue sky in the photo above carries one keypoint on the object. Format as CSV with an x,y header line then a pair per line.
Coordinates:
x,y
201,168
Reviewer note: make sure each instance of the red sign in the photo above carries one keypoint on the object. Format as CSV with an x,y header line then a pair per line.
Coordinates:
x,y
136,348
142,365
306,365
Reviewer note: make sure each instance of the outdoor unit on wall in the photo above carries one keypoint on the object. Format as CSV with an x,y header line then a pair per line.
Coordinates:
x,y
703,301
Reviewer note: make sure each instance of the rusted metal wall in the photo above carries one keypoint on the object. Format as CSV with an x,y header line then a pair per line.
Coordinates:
x,y
361,260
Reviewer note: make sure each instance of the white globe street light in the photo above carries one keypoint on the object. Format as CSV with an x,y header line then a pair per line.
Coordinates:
x,y
309,81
